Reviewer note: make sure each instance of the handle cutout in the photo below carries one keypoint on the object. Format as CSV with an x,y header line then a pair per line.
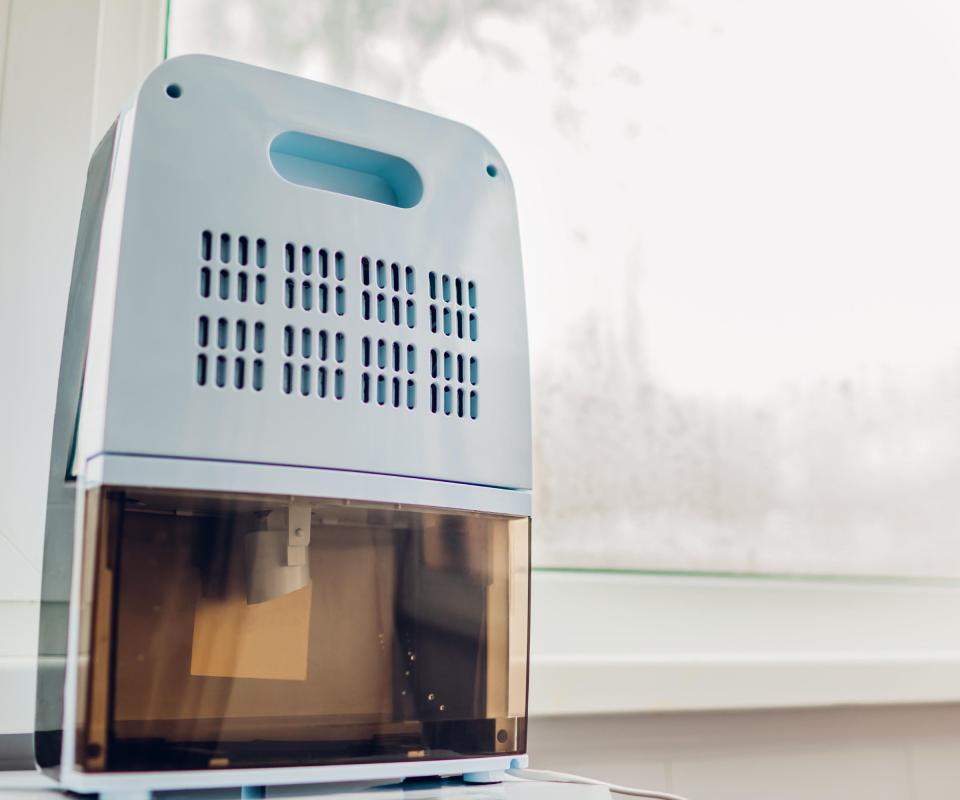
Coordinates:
x,y
345,169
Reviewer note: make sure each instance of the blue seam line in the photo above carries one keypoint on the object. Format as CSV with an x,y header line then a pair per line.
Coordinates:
x,y
301,466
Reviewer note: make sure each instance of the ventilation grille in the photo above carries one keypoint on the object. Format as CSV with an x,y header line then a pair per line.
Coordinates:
x,y
313,357
230,278
388,373
453,307
454,375
229,353
388,293
310,285
454,379
303,348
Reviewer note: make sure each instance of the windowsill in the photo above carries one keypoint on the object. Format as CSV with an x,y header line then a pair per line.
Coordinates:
x,y
620,642
609,642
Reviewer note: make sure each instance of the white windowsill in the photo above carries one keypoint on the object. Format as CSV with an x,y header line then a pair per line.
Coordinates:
x,y
621,643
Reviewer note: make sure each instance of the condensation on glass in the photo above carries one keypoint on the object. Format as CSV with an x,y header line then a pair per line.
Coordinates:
x,y
236,630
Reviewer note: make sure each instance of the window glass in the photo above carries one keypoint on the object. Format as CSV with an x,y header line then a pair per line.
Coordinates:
x,y
739,229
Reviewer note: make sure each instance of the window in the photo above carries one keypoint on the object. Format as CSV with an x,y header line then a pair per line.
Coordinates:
x,y
741,258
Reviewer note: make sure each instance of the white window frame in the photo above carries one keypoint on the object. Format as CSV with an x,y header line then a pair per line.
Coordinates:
x,y
66,70
602,642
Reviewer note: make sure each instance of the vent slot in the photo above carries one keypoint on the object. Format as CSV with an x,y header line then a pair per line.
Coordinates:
x,y
241,335
306,296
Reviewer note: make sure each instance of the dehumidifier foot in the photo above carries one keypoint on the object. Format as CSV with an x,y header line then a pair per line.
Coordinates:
x,y
489,776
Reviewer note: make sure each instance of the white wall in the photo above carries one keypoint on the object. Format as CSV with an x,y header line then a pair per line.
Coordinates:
x,y
69,67
66,68
49,65
882,753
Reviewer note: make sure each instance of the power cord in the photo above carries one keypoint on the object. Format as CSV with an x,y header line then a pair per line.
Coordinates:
x,y
563,777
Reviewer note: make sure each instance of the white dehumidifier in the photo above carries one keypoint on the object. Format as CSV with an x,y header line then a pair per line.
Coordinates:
x,y
288,531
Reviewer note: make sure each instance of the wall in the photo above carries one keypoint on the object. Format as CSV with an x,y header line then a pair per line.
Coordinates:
x,y
50,59
68,70
882,753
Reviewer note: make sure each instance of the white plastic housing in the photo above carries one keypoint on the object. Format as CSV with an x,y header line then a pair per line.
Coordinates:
x,y
193,156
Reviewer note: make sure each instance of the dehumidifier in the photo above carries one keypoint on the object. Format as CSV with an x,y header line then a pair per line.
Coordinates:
x,y
288,526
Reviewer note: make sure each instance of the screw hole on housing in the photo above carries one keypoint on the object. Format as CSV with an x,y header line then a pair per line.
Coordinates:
x,y
492,170
173,90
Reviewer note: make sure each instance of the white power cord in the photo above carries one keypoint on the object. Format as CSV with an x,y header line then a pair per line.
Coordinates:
x,y
563,777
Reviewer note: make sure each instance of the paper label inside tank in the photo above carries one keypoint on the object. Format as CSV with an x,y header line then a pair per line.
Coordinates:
x,y
232,639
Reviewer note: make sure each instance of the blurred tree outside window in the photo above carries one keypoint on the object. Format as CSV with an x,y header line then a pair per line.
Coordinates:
x,y
739,222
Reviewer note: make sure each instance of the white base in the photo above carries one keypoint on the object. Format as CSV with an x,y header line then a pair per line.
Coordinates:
x,y
141,784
